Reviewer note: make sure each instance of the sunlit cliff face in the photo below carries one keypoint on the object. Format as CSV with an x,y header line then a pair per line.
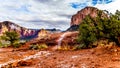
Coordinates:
x,y
80,15
42,34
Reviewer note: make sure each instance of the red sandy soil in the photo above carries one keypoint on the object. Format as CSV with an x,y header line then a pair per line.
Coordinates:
x,y
99,57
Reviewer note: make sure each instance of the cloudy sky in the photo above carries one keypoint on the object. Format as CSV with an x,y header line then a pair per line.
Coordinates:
x,y
48,13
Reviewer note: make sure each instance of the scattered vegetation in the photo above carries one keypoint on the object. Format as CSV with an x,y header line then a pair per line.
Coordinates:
x,y
99,28
66,47
38,46
11,37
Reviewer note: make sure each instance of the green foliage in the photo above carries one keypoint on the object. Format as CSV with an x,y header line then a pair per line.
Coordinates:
x,y
1,45
64,47
17,44
12,37
42,46
38,46
87,31
81,46
93,29
4,44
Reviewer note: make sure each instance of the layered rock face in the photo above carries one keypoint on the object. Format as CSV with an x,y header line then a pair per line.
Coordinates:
x,y
80,15
23,32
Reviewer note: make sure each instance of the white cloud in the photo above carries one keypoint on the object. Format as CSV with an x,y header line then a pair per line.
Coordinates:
x,y
44,13
50,10
111,7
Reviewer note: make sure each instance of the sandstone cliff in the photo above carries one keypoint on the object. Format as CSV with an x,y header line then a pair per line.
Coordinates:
x,y
80,15
23,32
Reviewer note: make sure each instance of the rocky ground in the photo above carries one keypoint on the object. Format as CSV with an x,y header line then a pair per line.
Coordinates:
x,y
100,57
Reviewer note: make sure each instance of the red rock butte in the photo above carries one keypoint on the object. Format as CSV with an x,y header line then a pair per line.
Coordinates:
x,y
80,15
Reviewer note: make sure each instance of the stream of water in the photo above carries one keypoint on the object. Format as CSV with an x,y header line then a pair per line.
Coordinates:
x,y
61,38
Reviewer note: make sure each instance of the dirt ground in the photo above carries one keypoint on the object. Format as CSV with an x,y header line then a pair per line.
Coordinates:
x,y
99,57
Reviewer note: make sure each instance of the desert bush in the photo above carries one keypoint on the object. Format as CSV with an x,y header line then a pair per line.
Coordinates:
x,y
34,47
4,44
12,37
94,29
81,46
42,46
65,47
38,46
1,45
17,44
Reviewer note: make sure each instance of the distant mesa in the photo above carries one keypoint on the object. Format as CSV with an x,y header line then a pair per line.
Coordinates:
x,y
24,33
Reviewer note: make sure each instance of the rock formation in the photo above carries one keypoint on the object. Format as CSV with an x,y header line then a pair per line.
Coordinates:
x,y
80,15
23,32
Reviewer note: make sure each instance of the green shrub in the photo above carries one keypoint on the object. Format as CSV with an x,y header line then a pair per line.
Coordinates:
x,y
34,47
17,44
42,46
93,29
12,37
1,45
38,46
4,44
81,46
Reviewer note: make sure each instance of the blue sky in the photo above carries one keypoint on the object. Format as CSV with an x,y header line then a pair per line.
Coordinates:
x,y
48,13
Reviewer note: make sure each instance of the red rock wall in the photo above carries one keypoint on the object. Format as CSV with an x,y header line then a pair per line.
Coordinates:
x,y
77,18
9,26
